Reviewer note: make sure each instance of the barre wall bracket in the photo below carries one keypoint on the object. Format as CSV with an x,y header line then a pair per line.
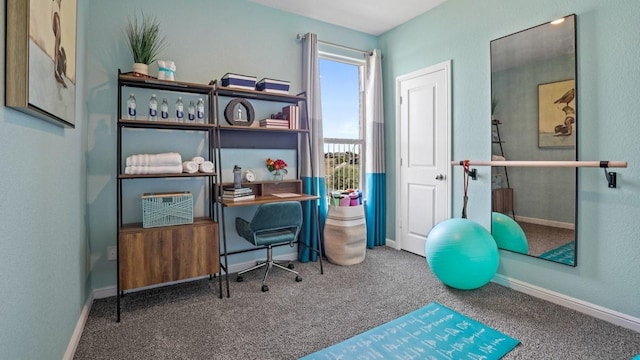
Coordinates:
x,y
609,175
473,174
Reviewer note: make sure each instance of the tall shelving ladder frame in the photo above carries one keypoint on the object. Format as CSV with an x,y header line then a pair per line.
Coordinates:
x,y
299,99
496,124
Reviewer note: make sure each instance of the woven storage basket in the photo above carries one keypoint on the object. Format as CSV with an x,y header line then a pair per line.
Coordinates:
x,y
165,209
345,235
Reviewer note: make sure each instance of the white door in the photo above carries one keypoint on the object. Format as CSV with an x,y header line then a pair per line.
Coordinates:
x,y
424,103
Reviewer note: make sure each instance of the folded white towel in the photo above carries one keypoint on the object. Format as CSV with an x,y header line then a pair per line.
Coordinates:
x,y
145,170
206,167
497,158
162,159
198,160
190,167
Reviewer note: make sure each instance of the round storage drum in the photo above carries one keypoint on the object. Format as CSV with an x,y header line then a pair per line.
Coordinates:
x,y
345,235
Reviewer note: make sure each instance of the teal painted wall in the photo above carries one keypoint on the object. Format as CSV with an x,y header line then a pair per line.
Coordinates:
x,y
206,40
44,249
58,210
608,49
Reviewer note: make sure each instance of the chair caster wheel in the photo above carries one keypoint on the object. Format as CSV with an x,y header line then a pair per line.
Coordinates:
x,y
265,288
298,278
290,266
239,279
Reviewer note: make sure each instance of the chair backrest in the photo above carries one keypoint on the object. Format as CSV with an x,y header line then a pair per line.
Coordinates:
x,y
279,215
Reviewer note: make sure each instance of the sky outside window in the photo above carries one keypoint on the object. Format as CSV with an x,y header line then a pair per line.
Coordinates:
x,y
340,88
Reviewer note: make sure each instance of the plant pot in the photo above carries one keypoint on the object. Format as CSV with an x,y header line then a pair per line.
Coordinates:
x,y
141,68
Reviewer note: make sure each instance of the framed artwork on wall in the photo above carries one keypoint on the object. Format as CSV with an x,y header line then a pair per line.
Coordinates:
x,y
40,66
557,114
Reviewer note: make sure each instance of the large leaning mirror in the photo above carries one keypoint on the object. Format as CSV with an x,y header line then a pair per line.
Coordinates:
x,y
534,117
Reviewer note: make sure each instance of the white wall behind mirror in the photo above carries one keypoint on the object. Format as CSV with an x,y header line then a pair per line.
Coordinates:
x,y
534,117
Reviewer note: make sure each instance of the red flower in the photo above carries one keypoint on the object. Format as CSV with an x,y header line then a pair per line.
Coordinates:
x,y
276,165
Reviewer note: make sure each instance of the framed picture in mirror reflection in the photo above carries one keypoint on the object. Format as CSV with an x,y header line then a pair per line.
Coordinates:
x,y
557,114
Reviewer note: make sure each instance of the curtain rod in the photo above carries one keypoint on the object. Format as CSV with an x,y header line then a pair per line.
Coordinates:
x,y
366,52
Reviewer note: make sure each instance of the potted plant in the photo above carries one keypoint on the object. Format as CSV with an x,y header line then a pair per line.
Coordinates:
x,y
145,41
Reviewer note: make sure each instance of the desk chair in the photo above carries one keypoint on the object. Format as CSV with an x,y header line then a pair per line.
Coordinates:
x,y
272,224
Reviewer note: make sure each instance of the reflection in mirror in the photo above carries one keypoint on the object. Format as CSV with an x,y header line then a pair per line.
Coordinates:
x,y
534,117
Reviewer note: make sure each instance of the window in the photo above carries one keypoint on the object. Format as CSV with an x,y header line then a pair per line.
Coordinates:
x,y
341,84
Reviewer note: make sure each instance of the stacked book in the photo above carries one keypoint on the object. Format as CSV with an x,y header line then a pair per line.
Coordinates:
x,y
274,123
288,118
241,194
292,113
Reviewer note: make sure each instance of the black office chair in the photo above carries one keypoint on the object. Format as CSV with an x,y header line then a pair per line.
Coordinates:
x,y
272,224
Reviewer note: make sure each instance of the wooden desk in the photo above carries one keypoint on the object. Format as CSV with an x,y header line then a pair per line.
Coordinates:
x,y
263,200
269,199
264,193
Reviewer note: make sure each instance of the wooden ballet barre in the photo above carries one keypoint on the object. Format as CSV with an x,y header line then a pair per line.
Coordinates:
x,y
609,175
600,164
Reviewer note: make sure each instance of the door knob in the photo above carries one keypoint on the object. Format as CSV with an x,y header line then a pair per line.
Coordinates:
x,y
439,177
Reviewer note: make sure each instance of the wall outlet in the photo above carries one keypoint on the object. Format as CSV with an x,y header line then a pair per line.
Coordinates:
x,y
112,253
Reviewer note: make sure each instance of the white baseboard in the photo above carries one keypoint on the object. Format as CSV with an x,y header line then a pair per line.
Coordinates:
x,y
392,244
584,307
77,332
545,222
105,292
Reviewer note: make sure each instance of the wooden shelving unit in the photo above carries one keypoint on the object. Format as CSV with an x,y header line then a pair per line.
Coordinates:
x,y
150,256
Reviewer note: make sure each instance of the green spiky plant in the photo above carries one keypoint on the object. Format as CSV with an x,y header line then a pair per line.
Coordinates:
x,y
144,39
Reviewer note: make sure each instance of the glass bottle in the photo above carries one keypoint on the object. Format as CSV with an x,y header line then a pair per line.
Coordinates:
x,y
179,110
237,177
131,107
191,112
153,108
200,111
164,110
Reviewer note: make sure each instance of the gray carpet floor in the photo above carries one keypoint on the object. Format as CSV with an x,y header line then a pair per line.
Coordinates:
x,y
293,319
545,238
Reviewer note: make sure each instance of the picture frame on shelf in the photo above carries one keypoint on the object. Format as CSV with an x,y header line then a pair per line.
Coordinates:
x,y
40,64
239,112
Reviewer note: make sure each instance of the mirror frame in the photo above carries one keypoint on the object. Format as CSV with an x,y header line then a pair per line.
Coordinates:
x,y
575,116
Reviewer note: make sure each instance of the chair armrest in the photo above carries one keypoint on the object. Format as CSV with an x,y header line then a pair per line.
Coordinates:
x,y
244,229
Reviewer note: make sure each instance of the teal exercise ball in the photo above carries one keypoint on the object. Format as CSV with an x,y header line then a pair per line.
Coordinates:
x,y
508,234
461,253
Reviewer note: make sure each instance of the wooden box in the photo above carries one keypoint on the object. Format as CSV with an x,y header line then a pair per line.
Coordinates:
x,y
164,254
503,200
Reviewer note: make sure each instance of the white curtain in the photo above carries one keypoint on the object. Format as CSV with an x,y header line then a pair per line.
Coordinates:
x,y
375,168
312,155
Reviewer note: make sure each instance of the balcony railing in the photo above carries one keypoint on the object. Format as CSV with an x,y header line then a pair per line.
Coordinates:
x,y
343,160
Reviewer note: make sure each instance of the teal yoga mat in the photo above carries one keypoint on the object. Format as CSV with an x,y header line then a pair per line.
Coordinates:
x,y
564,254
432,332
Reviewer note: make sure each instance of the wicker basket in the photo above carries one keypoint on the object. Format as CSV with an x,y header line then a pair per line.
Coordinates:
x,y
166,209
